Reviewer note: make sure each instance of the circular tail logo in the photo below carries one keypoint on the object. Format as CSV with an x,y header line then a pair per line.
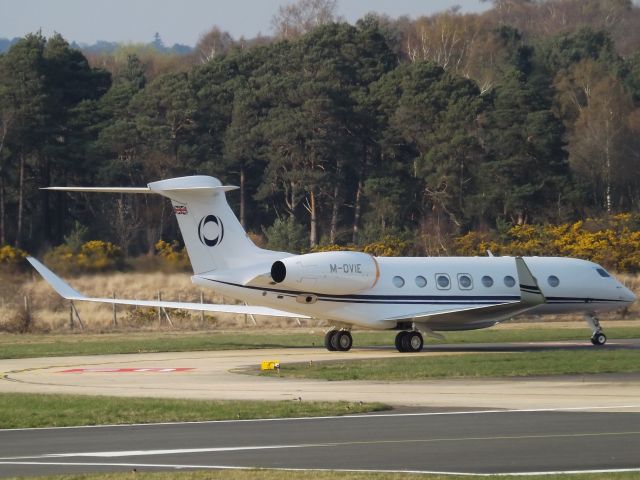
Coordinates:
x,y
210,230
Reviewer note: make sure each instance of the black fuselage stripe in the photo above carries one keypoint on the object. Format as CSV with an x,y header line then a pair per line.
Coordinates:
x,y
504,298
537,292
421,299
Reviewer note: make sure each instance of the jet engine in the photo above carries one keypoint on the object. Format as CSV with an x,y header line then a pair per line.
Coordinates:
x,y
332,273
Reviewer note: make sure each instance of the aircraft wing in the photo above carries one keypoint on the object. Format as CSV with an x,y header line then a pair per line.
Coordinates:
x,y
66,291
530,297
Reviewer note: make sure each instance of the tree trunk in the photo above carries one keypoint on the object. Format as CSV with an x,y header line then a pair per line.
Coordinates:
x,y
313,232
3,238
608,202
20,202
242,199
356,213
293,201
333,230
45,180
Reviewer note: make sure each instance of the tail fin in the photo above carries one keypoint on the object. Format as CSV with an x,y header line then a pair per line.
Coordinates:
x,y
212,234
214,238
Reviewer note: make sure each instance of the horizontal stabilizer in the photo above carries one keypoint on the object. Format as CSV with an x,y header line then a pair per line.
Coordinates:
x,y
101,189
222,188
66,291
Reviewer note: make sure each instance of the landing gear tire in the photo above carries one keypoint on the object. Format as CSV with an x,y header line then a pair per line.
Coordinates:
x,y
409,341
598,338
400,341
416,341
413,342
329,342
343,341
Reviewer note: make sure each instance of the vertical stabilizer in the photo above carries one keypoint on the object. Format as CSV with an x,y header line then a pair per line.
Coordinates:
x,y
212,234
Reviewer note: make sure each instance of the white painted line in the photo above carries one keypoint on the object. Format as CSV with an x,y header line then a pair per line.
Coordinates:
x,y
337,417
131,465
141,453
137,453
235,467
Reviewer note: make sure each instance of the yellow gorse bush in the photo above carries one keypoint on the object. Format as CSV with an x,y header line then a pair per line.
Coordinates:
x,y
389,246
172,254
11,256
332,248
614,243
96,255
92,256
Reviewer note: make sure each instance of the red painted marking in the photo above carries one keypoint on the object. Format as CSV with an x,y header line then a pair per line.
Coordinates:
x,y
127,370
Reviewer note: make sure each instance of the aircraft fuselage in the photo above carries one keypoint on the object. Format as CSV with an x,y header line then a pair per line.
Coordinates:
x,y
410,286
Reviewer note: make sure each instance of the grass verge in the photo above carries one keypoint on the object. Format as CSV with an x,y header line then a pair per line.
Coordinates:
x,y
315,475
25,346
19,410
520,364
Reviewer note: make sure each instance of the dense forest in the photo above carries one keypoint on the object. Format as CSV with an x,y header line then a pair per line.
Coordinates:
x,y
424,129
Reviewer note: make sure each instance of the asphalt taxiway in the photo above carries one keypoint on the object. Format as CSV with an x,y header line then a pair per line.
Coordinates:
x,y
213,375
444,442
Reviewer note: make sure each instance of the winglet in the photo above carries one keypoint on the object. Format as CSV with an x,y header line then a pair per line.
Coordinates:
x,y
529,290
59,285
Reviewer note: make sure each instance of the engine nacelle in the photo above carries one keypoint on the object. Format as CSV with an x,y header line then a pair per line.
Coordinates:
x,y
332,273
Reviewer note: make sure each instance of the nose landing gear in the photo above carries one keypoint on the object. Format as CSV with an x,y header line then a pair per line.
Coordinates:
x,y
598,338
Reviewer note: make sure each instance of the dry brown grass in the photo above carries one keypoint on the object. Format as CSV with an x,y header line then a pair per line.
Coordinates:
x,y
49,312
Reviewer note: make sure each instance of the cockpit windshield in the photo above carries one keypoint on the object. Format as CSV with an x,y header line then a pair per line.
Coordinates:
x,y
602,272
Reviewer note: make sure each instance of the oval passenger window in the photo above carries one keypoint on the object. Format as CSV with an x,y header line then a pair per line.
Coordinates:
x,y
421,281
443,281
464,281
398,281
509,281
553,280
487,281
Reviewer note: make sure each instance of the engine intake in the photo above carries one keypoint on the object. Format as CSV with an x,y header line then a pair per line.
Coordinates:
x,y
332,273
278,271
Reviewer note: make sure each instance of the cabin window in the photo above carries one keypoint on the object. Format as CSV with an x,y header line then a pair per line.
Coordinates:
x,y
421,281
602,272
487,281
464,281
509,281
398,281
443,282
553,280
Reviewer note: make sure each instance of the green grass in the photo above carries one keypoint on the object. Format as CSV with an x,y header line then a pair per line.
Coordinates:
x,y
25,346
315,475
19,410
520,364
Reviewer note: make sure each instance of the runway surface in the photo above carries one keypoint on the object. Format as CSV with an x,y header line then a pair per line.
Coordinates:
x,y
213,375
451,442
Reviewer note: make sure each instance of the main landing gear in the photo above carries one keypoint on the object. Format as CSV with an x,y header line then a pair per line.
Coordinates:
x,y
342,341
598,338
410,341
338,340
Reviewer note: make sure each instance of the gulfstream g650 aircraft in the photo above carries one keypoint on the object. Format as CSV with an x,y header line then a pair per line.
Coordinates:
x,y
347,289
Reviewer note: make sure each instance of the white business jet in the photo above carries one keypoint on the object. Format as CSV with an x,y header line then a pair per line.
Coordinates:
x,y
347,289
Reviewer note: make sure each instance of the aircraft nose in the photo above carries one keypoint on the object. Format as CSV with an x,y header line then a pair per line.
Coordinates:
x,y
629,296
